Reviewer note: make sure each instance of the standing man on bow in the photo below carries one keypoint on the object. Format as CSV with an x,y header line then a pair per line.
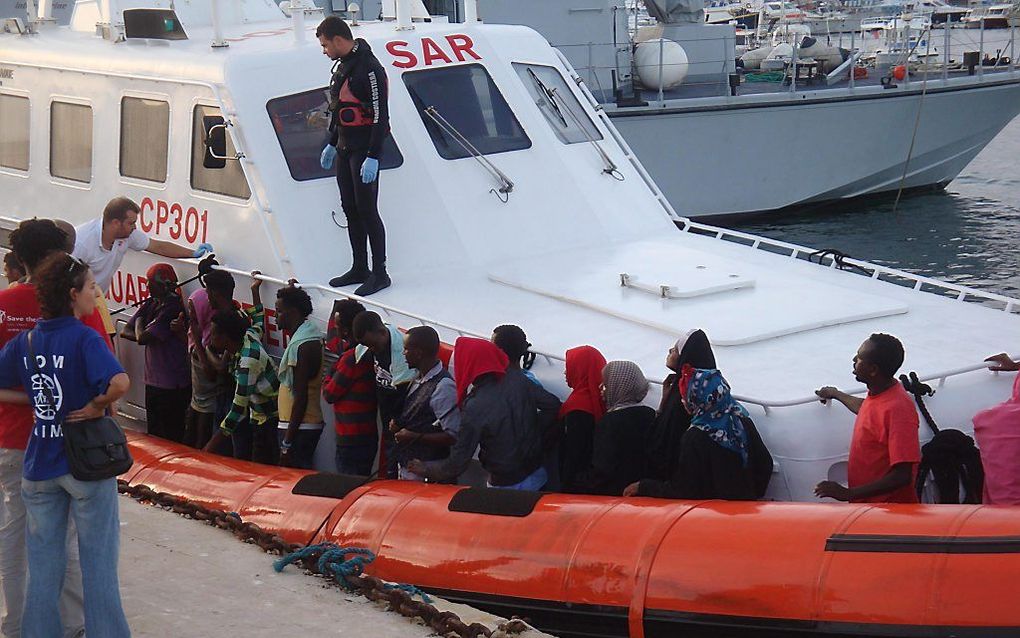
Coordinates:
x,y
359,122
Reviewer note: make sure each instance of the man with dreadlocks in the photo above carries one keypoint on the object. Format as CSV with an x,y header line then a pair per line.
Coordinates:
x,y
160,326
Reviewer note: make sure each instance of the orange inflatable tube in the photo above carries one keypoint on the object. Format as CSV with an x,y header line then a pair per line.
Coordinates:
x,y
599,566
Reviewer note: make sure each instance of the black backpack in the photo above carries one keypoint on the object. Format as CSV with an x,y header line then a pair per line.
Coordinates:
x,y
950,459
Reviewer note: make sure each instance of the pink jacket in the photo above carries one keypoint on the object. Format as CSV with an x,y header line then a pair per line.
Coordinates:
x,y
997,431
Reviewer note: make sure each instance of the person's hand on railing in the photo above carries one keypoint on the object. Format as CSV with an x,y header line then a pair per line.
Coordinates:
x,y
1002,363
256,286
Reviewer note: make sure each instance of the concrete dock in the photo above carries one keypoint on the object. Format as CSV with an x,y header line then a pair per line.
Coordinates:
x,y
186,579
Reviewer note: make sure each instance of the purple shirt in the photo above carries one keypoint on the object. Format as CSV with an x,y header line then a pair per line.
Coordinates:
x,y
166,356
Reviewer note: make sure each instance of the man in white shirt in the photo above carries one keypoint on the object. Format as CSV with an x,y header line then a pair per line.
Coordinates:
x,y
102,243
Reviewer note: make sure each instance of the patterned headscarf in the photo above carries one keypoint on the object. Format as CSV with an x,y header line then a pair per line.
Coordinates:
x,y
626,385
714,411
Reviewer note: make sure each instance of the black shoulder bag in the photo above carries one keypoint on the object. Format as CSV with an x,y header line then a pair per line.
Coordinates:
x,y
96,449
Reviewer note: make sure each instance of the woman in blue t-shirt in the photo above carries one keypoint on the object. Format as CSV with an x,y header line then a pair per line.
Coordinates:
x,y
83,378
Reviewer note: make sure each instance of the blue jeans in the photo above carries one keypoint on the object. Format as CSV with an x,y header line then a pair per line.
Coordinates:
x,y
14,559
533,482
94,504
356,459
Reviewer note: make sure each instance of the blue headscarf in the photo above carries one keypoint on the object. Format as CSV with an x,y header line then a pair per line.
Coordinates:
x,y
715,412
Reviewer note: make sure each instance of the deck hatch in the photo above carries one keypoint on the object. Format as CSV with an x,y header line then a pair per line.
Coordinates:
x,y
668,289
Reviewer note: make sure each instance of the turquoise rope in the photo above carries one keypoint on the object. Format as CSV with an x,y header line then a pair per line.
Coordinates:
x,y
334,562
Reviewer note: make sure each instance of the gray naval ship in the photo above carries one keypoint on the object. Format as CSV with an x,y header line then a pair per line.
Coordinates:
x,y
716,147
718,143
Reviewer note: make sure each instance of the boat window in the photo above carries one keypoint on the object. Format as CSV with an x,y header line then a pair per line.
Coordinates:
x,y
301,123
71,141
144,138
558,104
228,180
14,132
467,99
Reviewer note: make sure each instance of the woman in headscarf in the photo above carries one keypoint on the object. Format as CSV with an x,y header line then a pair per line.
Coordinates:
x,y
580,412
503,413
161,327
721,455
621,436
672,420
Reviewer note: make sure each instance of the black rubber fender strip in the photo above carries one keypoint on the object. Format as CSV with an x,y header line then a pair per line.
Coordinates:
x,y
904,544
494,501
328,485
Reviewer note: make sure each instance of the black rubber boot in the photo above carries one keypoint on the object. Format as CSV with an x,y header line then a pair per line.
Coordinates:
x,y
356,275
377,281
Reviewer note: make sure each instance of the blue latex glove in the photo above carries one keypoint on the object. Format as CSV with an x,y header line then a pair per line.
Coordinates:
x,y
327,157
201,250
369,170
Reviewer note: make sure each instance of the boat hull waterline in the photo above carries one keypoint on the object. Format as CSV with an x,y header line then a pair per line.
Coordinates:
x,y
605,566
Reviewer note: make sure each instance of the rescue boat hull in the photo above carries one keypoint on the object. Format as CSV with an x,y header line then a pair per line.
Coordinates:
x,y
599,566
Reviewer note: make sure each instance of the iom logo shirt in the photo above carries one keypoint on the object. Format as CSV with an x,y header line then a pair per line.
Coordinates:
x,y
71,361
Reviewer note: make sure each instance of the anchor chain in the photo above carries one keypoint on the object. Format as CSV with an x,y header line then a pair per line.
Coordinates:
x,y
397,597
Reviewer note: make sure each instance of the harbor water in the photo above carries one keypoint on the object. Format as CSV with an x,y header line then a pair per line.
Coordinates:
x,y
968,234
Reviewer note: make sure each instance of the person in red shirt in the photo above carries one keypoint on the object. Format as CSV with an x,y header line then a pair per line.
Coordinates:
x,y
885,449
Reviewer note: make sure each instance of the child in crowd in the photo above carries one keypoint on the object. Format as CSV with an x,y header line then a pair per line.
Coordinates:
x,y
210,384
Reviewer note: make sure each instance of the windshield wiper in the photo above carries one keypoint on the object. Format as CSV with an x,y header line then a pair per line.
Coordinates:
x,y
610,167
505,185
550,100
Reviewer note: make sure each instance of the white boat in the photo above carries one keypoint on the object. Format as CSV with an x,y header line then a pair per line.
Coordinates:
x,y
555,225
996,16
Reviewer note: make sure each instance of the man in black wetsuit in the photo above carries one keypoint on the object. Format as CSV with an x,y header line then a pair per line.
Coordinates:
x,y
359,122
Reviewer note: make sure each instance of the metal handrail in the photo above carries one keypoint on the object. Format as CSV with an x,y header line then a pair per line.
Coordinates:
x,y
391,310
798,251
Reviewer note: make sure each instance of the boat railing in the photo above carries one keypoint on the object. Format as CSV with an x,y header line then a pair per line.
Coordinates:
x,y
393,312
834,259
933,59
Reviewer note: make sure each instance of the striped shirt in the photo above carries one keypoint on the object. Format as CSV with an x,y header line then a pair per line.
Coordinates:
x,y
255,375
350,388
